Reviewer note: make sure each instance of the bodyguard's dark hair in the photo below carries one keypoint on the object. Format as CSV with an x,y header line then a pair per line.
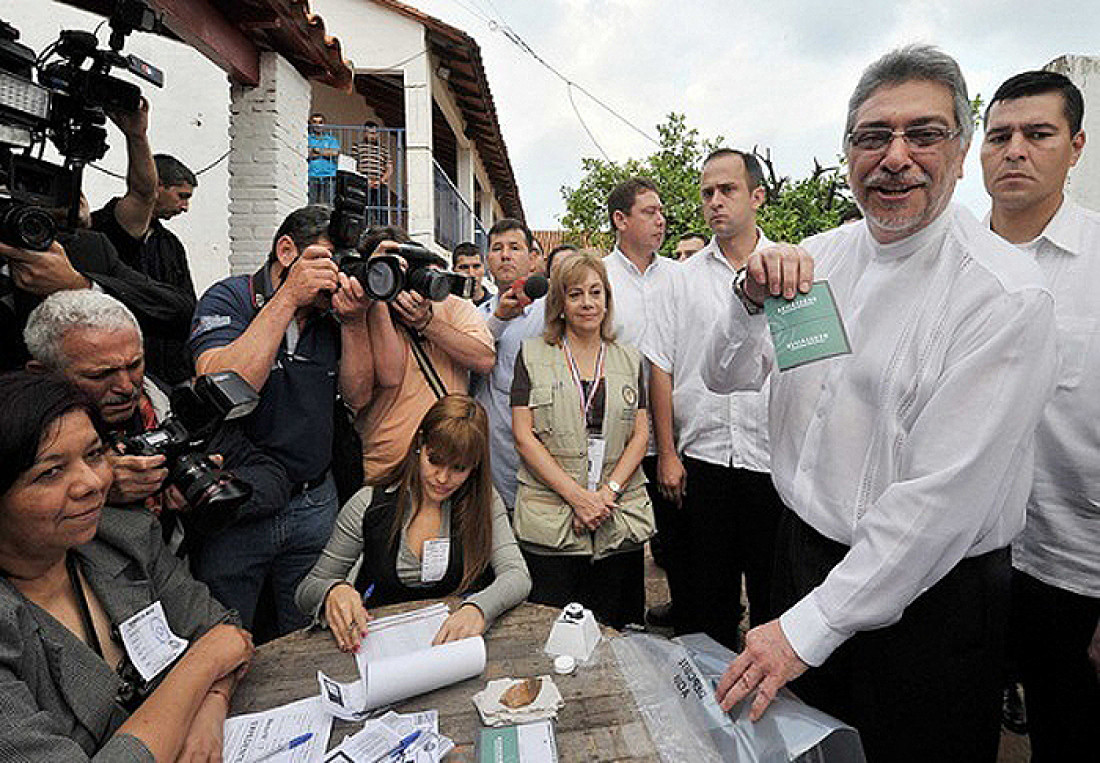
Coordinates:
x,y
29,403
305,226
622,196
753,171
505,224
914,62
466,249
171,171
376,234
1040,83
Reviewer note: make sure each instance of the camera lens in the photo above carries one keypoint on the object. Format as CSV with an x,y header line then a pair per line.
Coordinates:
x,y
430,283
26,227
384,278
213,495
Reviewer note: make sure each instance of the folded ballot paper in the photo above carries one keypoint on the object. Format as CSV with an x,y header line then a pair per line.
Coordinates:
x,y
396,661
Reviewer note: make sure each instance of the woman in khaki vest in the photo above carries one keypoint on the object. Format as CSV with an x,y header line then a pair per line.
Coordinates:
x,y
579,418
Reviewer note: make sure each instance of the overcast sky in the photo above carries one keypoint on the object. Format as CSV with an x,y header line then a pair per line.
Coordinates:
x,y
772,74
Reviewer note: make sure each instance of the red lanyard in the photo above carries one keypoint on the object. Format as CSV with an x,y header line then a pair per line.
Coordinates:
x,y
574,370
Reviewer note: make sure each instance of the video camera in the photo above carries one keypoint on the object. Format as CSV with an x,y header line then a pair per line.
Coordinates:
x,y
68,106
199,409
384,276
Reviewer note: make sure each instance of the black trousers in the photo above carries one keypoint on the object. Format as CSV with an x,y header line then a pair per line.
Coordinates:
x,y
613,587
731,516
927,688
1051,630
671,546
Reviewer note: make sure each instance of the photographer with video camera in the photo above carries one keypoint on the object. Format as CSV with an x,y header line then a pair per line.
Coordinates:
x,y
95,342
296,331
157,188
453,342
44,244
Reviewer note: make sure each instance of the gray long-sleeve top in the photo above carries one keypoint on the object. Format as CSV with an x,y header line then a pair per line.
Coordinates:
x,y
511,584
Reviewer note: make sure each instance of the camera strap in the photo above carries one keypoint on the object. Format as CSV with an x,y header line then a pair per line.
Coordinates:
x,y
425,363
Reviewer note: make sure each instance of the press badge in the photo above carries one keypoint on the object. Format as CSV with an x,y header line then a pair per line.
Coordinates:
x,y
596,448
149,642
434,558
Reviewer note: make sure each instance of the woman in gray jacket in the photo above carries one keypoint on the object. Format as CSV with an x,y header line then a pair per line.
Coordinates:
x,y
75,577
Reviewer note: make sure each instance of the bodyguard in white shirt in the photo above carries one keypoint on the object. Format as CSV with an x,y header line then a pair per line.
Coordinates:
x,y
1033,136
638,276
906,464
713,448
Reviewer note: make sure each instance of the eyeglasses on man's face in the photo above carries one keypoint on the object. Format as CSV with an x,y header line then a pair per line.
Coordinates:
x,y
921,137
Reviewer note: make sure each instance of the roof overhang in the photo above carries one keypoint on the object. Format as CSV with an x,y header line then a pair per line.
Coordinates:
x,y
232,33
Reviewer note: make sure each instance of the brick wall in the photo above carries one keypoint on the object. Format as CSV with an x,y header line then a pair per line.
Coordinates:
x,y
267,166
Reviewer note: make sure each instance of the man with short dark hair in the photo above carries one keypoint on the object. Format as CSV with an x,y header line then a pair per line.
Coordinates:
x,y
1033,136
158,188
712,449
688,244
374,160
559,250
296,330
905,464
468,260
511,317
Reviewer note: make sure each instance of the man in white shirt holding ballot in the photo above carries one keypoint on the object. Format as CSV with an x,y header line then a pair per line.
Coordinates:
x,y
1033,136
905,463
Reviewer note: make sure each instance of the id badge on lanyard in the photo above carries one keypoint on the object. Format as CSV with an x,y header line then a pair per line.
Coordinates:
x,y
596,444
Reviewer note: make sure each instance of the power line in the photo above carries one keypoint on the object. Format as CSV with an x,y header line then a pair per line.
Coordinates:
x,y
516,39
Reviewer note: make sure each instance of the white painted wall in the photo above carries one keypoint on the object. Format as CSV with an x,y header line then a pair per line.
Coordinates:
x,y
1084,179
189,118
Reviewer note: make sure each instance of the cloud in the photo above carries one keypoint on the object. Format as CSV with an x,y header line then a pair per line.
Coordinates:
x,y
775,74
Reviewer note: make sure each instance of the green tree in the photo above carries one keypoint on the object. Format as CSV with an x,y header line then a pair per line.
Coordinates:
x,y
794,210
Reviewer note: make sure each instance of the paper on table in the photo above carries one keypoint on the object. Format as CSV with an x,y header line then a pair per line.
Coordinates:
x,y
247,737
380,735
396,660
391,679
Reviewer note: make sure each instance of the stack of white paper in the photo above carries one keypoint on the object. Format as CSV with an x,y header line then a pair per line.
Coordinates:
x,y
379,737
396,661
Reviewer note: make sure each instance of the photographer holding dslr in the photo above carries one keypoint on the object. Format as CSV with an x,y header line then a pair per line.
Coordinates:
x,y
96,343
296,331
453,342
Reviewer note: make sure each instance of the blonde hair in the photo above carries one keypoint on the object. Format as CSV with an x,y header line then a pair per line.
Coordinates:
x,y
569,272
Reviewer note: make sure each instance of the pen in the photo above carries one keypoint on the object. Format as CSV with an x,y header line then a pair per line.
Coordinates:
x,y
400,747
284,747
367,593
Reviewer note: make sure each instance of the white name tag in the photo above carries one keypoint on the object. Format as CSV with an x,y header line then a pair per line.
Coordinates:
x,y
596,448
149,641
434,558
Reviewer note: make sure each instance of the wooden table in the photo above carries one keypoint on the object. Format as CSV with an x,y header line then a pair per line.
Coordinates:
x,y
599,721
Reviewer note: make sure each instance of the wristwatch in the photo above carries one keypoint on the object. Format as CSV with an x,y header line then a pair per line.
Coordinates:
x,y
739,291
616,488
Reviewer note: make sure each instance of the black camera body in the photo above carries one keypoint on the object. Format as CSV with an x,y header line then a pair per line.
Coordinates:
x,y
67,106
384,276
199,409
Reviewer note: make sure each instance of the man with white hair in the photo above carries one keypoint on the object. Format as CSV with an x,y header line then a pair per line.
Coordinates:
x,y
905,464
95,342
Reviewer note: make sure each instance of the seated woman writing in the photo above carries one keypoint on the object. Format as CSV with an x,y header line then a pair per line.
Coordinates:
x,y
75,577
437,529
579,419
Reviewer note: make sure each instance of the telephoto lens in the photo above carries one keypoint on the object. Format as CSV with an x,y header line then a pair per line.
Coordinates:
x,y
26,227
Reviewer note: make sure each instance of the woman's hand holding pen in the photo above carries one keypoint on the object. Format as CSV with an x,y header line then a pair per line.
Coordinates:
x,y
346,615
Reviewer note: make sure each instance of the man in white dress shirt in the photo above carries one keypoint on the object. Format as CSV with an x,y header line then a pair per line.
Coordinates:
x,y
1033,136
638,275
905,464
712,449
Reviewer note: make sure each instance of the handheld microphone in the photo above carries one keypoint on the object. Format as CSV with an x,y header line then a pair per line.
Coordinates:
x,y
536,286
